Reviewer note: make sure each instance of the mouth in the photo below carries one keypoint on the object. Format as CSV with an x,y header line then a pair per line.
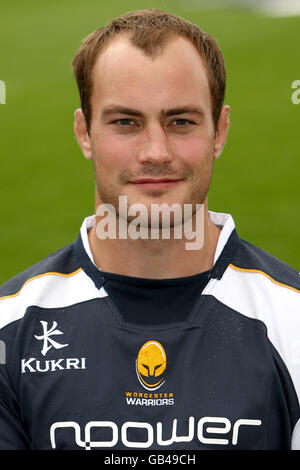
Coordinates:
x,y
151,183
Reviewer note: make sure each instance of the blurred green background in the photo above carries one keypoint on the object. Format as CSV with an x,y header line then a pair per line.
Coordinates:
x,y
47,186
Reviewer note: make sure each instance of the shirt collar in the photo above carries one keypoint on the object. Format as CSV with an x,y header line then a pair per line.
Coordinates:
x,y
86,225
224,221
227,245
228,226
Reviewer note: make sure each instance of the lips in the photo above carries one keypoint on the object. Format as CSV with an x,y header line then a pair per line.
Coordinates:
x,y
150,183
155,181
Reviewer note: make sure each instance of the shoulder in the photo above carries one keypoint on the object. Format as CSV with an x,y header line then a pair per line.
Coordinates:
x,y
259,285
43,284
61,262
250,259
55,282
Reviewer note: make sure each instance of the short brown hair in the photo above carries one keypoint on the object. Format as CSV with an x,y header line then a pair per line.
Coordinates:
x,y
149,30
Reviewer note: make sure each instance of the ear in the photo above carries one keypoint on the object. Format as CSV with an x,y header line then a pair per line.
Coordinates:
x,y
221,131
82,135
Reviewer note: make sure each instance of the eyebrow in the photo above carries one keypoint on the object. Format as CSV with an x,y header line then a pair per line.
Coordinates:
x,y
116,109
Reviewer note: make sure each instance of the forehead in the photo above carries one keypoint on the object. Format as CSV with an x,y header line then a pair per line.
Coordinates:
x,y
123,72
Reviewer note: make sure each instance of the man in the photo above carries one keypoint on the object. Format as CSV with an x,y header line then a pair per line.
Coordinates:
x,y
119,342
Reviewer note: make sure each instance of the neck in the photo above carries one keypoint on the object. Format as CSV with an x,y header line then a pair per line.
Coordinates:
x,y
155,259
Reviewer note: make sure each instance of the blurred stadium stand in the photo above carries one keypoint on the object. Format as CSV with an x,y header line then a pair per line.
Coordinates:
x,y
269,7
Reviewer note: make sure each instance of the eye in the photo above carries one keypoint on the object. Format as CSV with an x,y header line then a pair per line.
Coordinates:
x,y
183,122
124,122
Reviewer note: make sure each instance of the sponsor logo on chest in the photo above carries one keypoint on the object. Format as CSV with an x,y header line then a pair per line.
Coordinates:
x,y
51,365
35,365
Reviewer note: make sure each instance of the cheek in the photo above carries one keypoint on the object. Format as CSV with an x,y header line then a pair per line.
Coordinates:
x,y
194,152
111,154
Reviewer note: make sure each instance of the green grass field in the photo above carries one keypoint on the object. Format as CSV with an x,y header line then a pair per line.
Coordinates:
x,y
47,187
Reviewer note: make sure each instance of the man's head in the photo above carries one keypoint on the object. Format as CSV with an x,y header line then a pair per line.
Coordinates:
x,y
151,109
149,31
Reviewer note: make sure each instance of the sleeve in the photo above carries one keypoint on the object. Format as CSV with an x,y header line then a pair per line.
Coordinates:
x,y
12,433
296,437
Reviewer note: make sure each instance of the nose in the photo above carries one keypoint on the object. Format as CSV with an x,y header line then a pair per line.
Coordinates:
x,y
155,146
